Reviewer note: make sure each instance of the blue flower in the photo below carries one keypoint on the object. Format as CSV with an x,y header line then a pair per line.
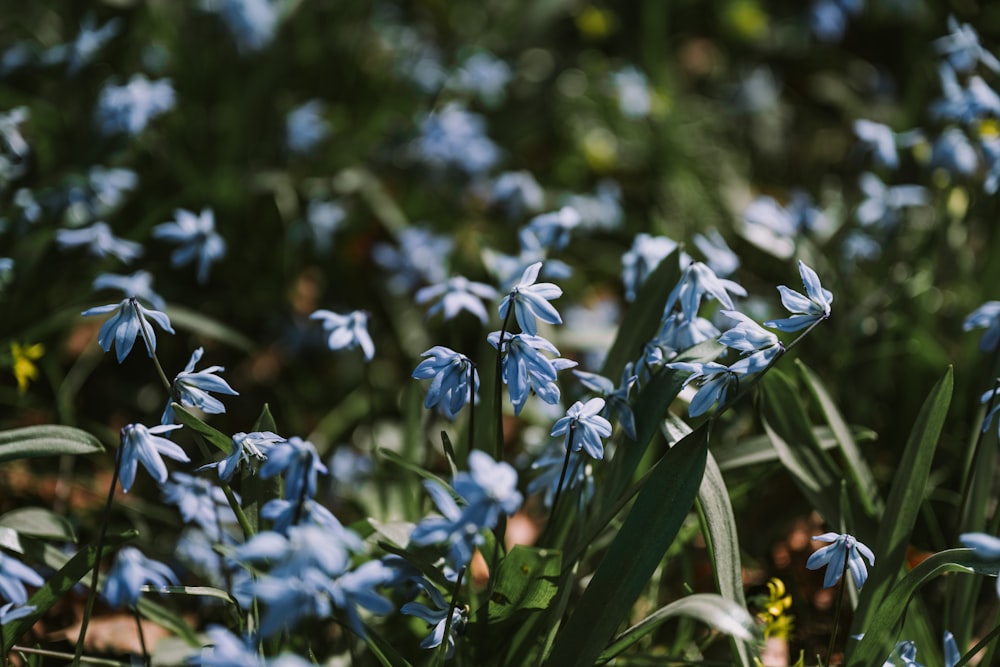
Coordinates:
x,y
226,650
488,489
190,388
699,281
457,293
144,445
347,331
108,187
550,231
531,300
719,256
200,502
806,309
357,589
987,316
617,398
991,153
759,345
482,74
642,259
282,513
880,139
453,137
964,105
883,204
252,23
131,571
139,284
131,107
305,127
601,210
678,333
11,612
324,218
951,653
13,576
422,258
123,327
437,618
906,651
199,242
100,241
300,463
86,45
962,49
245,445
954,153
579,472
714,381
843,548
584,427
517,192
632,91
525,369
449,389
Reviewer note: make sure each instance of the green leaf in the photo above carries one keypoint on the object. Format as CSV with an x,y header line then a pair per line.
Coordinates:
x,y
185,318
648,531
758,449
265,421
723,615
193,591
169,619
38,522
642,321
878,638
46,440
392,456
526,579
217,438
383,650
905,499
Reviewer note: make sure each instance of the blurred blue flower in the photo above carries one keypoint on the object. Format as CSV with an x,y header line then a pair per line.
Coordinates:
x,y
253,23
518,193
458,293
245,446
678,333
550,230
697,282
906,652
994,396
282,514
88,42
300,549
991,155
422,257
198,241
324,218
14,149
124,326
200,502
226,650
100,241
129,572
880,139
617,398
828,18
714,381
883,204
525,369
813,306
751,339
718,255
601,210
584,427
507,269
138,284
191,388
130,108
987,316
843,548
962,49
347,331
632,91
579,472
349,469
954,153
299,461
11,612
13,576
481,74
642,259
437,618
357,589
858,246
305,127
530,300
449,389
144,445
977,100
488,489
108,186
288,599
455,138
951,652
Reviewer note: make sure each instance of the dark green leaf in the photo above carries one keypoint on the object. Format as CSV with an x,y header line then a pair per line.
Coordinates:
x,y
38,522
526,579
46,440
219,439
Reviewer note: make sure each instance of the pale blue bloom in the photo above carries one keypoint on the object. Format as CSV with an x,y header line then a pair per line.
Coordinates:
x,y
422,257
508,268
6,271
253,23
617,398
129,572
108,187
718,255
828,18
196,551
550,230
994,396
200,502
288,599
416,59
124,326
579,472
284,514
14,149
437,618
678,333
601,210
487,490
584,427
975,101
751,339
324,219
100,241
11,612
951,652
883,204
245,446
843,548
642,259
880,139
349,469
458,293
954,153
987,316
301,549
482,74
449,388
525,369
906,653
87,44
347,331
305,127
198,241
130,108
300,463
858,246
813,306
226,650
697,282
191,389
632,91
13,576
517,192
991,155
714,381
531,300
455,138
144,445
356,588
138,284
962,49
986,546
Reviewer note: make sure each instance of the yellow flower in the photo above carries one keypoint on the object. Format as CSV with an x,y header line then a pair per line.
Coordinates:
x,y
25,369
777,623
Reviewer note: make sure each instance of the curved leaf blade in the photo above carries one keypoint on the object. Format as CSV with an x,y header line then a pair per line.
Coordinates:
x,y
46,440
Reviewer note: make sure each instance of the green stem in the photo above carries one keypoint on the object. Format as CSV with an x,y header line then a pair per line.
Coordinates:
x,y
150,347
472,406
142,637
498,386
443,648
562,480
100,662
836,612
978,647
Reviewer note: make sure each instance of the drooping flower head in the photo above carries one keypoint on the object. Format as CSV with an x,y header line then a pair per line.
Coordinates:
x,y
191,389
842,548
13,576
300,463
130,107
530,300
131,571
456,294
806,309
450,371
198,241
987,316
144,445
526,369
129,319
100,241
200,502
436,617
584,427
347,331
697,282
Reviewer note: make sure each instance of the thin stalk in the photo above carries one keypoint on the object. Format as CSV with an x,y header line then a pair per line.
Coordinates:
x,y
443,648
472,406
99,662
562,480
4,655
95,580
498,386
300,504
836,613
971,471
978,647
142,637
150,347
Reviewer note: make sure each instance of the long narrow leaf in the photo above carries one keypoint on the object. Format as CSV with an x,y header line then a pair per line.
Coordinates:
x,y
46,440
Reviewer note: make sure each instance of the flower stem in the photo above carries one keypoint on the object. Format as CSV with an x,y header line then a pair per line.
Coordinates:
x,y
472,406
443,648
498,387
836,614
562,480
971,653
150,347
95,579
142,637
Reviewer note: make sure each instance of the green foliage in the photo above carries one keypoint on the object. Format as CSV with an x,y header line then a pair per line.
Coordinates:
x,y
47,440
